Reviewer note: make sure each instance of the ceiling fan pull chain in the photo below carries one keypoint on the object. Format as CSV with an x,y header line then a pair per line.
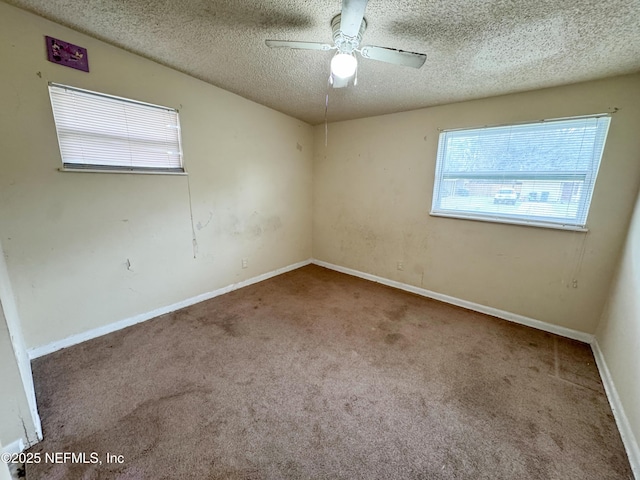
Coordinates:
x,y
326,109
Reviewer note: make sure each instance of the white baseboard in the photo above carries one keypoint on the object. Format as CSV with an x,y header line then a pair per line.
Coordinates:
x,y
628,438
512,317
46,349
14,447
127,322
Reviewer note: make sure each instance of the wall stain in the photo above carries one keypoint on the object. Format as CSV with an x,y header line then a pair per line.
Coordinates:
x,y
255,226
200,226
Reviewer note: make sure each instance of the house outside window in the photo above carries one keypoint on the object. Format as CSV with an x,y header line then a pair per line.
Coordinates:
x,y
539,174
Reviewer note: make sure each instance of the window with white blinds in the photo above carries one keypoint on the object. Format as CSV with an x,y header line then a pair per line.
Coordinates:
x,y
103,132
540,174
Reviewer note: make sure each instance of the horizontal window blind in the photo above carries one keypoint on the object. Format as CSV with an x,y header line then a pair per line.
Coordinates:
x,y
102,132
539,173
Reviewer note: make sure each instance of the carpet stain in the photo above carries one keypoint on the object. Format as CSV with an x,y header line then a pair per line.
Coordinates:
x,y
384,326
229,325
393,338
558,440
397,314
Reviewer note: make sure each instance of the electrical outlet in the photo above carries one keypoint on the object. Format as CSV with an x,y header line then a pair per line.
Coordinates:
x,y
574,284
245,262
400,266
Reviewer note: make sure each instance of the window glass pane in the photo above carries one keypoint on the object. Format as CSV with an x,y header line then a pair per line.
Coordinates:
x,y
540,173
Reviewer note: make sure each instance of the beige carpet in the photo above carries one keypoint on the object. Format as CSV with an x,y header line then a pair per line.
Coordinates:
x,y
319,375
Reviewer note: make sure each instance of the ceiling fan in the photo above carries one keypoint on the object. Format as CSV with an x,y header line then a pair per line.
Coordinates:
x,y
348,28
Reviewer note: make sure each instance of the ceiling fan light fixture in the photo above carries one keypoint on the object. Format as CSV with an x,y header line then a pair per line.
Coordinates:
x,y
348,27
344,65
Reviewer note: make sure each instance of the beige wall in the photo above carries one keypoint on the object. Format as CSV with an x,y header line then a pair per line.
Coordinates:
x,y
68,236
373,185
15,416
18,409
4,469
618,334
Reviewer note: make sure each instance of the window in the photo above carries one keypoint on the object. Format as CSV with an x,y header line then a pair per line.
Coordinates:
x,y
539,174
98,132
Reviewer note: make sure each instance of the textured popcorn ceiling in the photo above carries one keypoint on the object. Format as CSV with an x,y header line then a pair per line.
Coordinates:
x,y
474,48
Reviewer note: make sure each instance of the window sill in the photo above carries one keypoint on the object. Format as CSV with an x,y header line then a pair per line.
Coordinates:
x,y
508,221
135,172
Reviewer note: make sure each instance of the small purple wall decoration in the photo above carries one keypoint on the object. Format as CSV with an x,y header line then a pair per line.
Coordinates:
x,y
67,54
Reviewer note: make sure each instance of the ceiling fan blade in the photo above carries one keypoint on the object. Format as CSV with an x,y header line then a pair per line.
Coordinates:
x,y
339,82
391,55
298,45
351,16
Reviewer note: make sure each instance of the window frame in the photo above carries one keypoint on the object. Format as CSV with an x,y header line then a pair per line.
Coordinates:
x,y
121,168
542,222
